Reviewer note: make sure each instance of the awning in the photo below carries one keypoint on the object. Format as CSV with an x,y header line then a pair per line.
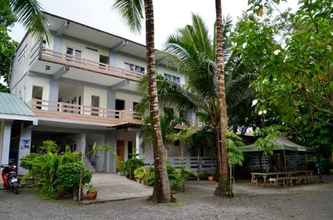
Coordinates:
x,y
13,108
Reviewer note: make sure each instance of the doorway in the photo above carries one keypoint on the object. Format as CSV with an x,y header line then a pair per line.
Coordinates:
x,y
120,153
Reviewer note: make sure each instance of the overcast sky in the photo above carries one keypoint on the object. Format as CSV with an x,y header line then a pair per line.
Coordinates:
x,y
169,15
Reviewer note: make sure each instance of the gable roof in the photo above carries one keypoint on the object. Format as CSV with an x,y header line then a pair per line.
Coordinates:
x,y
13,108
283,144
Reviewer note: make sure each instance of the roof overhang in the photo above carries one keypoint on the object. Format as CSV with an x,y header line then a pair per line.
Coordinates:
x,y
19,118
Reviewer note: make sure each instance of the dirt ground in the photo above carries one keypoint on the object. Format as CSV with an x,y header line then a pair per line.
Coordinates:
x,y
198,202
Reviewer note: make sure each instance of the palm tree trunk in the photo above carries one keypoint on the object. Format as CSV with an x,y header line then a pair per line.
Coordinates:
x,y
224,186
161,188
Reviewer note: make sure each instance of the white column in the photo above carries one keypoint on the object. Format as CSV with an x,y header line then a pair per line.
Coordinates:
x,y
24,146
82,144
138,144
7,128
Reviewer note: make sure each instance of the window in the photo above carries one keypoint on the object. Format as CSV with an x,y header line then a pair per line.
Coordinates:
x,y
135,68
103,59
120,105
135,106
94,105
172,78
37,93
73,52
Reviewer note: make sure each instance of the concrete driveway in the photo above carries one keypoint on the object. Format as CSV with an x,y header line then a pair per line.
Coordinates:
x,y
112,187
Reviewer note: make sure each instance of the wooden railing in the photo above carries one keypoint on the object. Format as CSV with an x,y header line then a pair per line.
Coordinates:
x,y
195,164
86,64
85,113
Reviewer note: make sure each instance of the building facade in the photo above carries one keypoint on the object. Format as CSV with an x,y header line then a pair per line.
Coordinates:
x,y
81,84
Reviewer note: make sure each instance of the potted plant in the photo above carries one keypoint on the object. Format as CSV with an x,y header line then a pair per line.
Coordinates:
x,y
91,192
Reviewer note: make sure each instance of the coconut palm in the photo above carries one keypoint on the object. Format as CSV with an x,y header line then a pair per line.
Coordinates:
x,y
28,12
196,54
224,186
133,11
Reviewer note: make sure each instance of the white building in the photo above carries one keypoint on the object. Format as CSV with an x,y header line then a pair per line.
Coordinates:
x,y
82,88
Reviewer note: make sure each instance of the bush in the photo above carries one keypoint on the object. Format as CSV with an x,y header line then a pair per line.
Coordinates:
x,y
177,176
130,166
53,173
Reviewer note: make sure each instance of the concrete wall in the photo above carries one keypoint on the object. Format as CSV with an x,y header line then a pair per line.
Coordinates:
x,y
89,91
5,133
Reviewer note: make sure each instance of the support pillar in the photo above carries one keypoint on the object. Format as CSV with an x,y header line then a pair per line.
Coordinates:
x,y
138,144
24,146
6,136
82,144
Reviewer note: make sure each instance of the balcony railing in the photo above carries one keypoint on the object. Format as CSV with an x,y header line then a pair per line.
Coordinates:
x,y
82,63
84,113
195,164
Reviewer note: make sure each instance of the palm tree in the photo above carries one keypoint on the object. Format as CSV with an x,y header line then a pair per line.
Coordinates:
x,y
28,12
132,10
196,55
224,186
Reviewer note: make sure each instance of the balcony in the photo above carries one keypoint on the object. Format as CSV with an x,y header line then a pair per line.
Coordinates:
x,y
67,112
47,55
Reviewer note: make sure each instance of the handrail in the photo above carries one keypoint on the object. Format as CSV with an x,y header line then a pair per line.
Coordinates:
x,y
88,64
85,111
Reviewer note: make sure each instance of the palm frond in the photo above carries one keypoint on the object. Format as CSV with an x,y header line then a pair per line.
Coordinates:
x,y
132,11
29,13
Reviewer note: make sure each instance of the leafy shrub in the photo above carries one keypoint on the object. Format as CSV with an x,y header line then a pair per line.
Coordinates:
x,y
131,165
177,176
68,175
53,173
145,175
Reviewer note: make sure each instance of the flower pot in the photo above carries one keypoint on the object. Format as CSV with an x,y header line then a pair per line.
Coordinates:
x,y
210,178
91,195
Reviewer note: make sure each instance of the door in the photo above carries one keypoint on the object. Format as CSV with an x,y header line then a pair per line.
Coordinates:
x,y
37,93
130,150
120,105
120,153
94,105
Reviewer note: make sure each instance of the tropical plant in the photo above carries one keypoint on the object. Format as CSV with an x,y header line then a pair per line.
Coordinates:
x,y
54,173
177,176
131,165
29,13
132,11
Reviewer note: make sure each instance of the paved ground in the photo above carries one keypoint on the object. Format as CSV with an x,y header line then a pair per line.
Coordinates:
x,y
111,187
305,202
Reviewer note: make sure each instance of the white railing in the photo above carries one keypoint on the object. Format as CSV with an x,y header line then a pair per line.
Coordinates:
x,y
195,164
86,112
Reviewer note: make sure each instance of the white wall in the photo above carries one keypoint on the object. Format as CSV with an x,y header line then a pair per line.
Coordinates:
x,y
129,99
24,146
89,91
86,53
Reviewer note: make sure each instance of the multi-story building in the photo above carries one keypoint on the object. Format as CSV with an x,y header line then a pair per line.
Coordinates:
x,y
81,84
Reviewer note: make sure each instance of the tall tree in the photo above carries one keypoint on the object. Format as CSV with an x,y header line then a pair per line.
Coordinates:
x,y
132,10
224,186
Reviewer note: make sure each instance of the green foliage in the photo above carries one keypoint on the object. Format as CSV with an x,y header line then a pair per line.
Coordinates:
x,y
131,165
53,172
68,175
48,146
145,175
177,176
132,11
267,137
235,155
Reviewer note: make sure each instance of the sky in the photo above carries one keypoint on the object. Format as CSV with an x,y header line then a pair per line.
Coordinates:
x,y
169,15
